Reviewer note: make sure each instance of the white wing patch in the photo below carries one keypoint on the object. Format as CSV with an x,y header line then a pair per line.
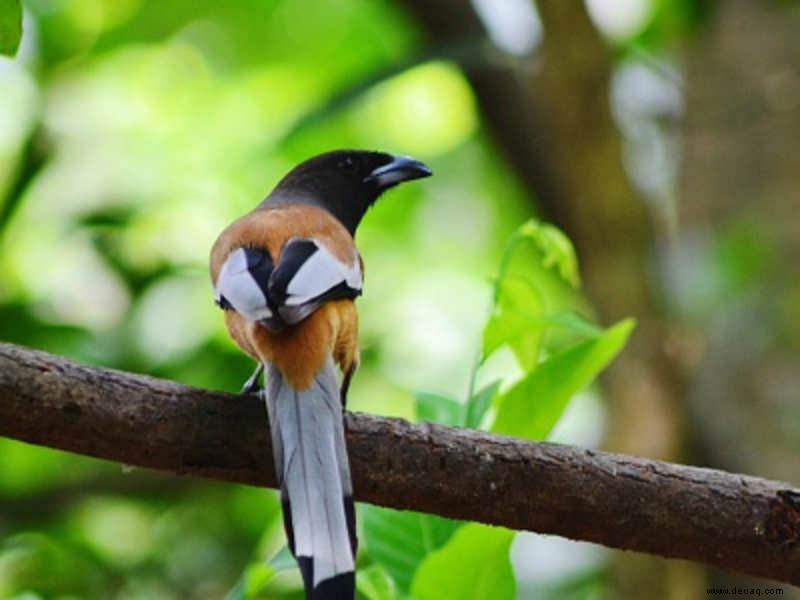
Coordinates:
x,y
236,285
319,273
307,274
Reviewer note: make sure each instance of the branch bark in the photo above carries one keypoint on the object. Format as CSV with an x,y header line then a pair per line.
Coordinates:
x,y
735,522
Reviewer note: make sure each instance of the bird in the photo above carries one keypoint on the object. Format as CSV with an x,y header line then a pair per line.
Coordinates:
x,y
286,276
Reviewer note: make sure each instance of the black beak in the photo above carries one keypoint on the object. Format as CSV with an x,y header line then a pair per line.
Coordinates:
x,y
399,169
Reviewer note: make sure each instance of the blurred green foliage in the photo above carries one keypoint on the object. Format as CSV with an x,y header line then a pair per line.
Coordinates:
x,y
10,26
131,133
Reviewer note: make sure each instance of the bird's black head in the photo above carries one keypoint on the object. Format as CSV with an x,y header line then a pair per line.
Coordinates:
x,y
345,182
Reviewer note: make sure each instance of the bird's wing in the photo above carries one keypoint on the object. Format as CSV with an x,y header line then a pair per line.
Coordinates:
x,y
308,274
242,283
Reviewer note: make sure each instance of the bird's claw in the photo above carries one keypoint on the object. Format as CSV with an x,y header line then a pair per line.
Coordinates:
x,y
252,386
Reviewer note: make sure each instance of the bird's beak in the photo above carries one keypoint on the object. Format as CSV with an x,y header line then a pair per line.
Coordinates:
x,y
399,169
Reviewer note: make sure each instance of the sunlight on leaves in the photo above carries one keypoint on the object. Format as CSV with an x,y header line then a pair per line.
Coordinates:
x,y
474,565
116,528
559,350
538,261
533,405
92,17
556,250
432,110
173,316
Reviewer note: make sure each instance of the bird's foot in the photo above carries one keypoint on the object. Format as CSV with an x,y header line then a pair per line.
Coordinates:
x,y
252,385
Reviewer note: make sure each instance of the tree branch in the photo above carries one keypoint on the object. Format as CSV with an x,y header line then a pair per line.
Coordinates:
x,y
731,521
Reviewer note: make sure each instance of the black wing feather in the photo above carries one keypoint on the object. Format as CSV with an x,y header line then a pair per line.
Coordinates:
x,y
292,258
293,255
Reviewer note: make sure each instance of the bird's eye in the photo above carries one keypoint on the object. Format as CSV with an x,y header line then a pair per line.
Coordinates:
x,y
348,163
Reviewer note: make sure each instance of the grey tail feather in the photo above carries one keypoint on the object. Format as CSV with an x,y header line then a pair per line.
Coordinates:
x,y
314,475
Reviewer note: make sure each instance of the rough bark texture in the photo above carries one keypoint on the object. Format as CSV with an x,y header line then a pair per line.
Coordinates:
x,y
731,521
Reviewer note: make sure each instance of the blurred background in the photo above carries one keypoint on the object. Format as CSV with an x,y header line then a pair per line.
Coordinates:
x,y
663,137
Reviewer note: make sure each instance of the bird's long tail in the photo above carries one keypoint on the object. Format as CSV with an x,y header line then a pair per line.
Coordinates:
x,y
314,476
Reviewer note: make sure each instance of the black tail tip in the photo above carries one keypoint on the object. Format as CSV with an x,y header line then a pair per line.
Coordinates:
x,y
341,587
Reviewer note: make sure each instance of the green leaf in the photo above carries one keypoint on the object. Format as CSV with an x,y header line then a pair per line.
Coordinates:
x,y
555,248
438,408
479,404
256,577
546,245
576,323
252,581
282,560
237,591
516,321
10,26
400,540
50,567
532,407
537,260
475,564
374,583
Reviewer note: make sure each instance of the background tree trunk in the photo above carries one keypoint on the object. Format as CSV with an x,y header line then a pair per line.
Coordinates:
x,y
739,192
549,114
